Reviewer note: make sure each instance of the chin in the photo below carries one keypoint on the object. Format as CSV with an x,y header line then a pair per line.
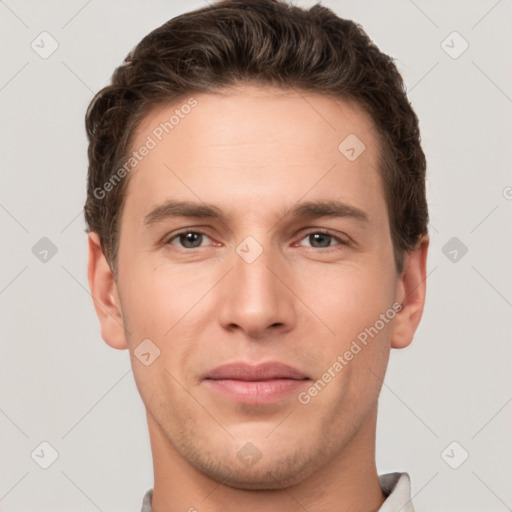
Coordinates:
x,y
271,475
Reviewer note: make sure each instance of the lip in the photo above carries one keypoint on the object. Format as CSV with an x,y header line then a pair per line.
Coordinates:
x,y
255,384
248,372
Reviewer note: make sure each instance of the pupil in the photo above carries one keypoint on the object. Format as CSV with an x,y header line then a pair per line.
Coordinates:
x,y
322,238
189,239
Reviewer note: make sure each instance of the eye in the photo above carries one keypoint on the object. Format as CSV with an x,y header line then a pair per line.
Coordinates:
x,y
322,240
188,239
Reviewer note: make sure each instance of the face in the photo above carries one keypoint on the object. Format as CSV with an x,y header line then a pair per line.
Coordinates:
x,y
255,254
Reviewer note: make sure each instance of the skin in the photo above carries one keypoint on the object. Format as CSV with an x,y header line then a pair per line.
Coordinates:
x,y
255,152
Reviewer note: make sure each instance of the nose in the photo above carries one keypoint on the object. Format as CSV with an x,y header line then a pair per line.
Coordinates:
x,y
255,298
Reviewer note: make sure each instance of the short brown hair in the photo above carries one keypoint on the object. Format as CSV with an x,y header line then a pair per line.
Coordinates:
x,y
263,42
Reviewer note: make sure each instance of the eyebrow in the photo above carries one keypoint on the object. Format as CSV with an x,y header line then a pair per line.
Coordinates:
x,y
328,208
172,208
308,209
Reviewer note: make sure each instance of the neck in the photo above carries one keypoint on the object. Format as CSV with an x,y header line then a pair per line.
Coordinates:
x,y
348,482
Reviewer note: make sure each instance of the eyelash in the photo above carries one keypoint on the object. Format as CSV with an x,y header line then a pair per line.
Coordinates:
x,y
312,232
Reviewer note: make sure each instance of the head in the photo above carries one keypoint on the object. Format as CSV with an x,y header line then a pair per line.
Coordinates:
x,y
256,193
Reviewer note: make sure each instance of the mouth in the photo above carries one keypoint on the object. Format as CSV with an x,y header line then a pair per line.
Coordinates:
x,y
261,384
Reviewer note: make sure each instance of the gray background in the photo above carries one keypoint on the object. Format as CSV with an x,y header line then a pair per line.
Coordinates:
x,y
60,383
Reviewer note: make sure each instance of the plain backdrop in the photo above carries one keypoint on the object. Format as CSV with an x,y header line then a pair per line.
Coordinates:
x,y
447,396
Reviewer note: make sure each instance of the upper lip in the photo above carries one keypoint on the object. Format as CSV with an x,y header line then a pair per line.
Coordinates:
x,y
248,372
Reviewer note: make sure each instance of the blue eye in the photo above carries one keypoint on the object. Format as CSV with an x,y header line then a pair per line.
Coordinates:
x,y
188,239
321,240
196,239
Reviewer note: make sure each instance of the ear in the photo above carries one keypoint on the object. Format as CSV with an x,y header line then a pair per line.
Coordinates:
x,y
411,294
105,296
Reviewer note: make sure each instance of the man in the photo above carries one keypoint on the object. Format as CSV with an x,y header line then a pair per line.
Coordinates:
x,y
257,241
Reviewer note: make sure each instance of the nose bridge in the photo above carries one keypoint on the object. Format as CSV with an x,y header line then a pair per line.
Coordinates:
x,y
253,275
255,298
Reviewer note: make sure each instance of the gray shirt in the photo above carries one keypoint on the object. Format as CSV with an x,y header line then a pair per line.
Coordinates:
x,y
396,486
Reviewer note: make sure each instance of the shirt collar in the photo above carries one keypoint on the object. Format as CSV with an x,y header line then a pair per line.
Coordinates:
x,y
396,486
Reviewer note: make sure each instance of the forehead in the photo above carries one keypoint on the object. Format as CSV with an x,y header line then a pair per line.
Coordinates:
x,y
259,145
254,113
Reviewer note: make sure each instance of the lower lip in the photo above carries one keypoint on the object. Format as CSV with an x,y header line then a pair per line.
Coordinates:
x,y
258,391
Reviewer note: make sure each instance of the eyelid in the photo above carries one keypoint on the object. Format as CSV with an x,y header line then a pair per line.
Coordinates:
x,y
175,235
341,238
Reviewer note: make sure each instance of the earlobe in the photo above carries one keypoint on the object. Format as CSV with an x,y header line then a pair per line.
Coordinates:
x,y
411,294
105,296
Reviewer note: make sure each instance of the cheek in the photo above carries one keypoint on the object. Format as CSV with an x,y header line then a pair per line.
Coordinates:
x,y
351,304
347,298
157,298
